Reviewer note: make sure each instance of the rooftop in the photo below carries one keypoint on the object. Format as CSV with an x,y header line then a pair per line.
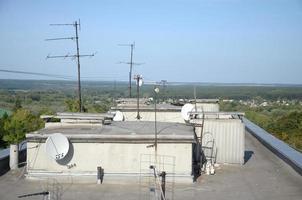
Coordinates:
x,y
124,130
263,176
145,107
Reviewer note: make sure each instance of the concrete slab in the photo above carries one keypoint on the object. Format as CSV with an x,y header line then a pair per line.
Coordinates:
x,y
263,176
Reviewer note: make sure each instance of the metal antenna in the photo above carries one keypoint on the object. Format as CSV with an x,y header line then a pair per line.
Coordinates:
x,y
138,78
195,98
131,63
77,25
164,82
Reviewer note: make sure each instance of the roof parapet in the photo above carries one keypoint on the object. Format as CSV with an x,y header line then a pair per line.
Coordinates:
x,y
65,119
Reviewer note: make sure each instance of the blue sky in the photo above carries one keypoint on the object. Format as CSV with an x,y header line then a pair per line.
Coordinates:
x,y
225,41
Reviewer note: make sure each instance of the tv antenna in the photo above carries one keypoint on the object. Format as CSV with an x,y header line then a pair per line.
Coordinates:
x,y
131,63
164,83
77,26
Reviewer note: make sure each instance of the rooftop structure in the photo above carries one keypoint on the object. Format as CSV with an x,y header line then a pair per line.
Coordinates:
x,y
118,148
263,176
119,132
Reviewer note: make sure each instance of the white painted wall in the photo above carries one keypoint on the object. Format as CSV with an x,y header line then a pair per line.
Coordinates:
x,y
113,157
168,116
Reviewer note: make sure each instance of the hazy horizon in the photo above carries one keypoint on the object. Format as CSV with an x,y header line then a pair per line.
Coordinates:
x,y
207,41
126,82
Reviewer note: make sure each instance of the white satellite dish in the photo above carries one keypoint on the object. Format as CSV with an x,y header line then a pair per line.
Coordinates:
x,y
185,111
57,146
140,82
119,116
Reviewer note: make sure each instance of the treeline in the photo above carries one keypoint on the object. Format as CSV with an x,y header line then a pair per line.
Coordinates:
x,y
49,97
284,122
120,89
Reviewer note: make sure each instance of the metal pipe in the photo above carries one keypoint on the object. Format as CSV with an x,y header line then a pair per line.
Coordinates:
x,y
100,175
130,72
79,68
163,185
137,78
155,124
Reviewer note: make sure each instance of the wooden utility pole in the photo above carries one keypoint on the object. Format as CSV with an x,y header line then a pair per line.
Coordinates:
x,y
77,25
131,63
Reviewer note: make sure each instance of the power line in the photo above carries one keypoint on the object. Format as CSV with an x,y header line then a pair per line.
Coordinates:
x,y
77,25
36,73
117,78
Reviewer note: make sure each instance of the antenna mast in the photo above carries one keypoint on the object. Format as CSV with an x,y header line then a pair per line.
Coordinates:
x,y
77,25
138,79
131,63
164,82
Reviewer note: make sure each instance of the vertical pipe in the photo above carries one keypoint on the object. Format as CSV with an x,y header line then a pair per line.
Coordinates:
x,y
100,175
130,73
163,185
79,68
155,125
195,98
138,77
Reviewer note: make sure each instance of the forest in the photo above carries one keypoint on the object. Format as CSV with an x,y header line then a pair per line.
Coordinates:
x,y
276,108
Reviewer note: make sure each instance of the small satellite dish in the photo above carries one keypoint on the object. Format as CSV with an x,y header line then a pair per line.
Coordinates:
x,y
57,146
119,116
185,111
140,82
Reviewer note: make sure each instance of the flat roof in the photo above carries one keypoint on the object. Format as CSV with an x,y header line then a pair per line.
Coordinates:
x,y
139,131
149,108
263,176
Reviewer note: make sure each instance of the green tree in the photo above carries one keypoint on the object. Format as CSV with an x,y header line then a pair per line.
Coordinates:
x,y
18,104
2,121
22,121
46,111
73,105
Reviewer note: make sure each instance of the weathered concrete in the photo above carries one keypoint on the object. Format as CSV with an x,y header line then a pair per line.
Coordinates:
x,y
117,148
115,158
264,176
13,156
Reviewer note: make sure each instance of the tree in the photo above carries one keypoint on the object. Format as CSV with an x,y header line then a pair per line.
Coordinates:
x,y
2,120
18,104
73,105
22,121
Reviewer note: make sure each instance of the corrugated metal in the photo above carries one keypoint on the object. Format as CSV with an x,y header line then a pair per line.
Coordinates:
x,y
208,107
228,135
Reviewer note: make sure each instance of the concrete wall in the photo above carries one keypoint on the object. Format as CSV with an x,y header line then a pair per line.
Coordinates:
x,y
113,157
168,116
228,135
